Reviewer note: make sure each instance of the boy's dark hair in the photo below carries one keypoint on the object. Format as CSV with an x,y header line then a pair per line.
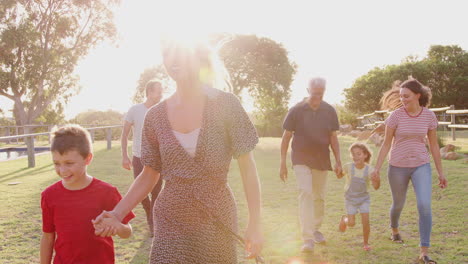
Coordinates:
x,y
364,149
416,87
151,85
71,137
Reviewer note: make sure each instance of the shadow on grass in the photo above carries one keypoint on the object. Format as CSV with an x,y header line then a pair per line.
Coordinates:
x,y
13,172
28,172
33,171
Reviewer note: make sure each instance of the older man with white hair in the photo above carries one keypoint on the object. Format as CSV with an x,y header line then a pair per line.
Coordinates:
x,y
312,124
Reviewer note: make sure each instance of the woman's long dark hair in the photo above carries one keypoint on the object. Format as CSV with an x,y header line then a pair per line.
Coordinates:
x,y
416,87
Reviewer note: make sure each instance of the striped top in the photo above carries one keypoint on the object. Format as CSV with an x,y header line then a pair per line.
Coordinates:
x,y
409,147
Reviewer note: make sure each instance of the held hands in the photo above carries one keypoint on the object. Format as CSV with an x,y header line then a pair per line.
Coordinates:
x,y
126,163
375,176
375,181
106,224
338,170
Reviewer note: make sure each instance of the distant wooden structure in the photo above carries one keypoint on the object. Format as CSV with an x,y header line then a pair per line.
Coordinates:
x,y
29,138
370,121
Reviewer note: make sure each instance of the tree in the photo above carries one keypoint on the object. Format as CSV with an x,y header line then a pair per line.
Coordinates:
x,y
156,72
95,118
444,70
345,116
261,67
51,116
448,69
40,44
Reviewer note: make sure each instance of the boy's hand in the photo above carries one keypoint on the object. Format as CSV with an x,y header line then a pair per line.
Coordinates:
x,y
106,225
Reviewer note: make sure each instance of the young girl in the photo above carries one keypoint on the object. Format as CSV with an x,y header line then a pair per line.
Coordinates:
x,y
357,174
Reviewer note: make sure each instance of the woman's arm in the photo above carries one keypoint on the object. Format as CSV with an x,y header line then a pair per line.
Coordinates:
x,y
434,148
248,171
387,143
139,189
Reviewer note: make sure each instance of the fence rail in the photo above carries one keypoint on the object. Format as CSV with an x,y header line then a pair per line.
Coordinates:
x,y
369,121
29,140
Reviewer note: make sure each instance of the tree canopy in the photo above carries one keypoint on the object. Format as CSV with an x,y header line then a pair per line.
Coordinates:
x,y
261,67
444,70
40,44
156,72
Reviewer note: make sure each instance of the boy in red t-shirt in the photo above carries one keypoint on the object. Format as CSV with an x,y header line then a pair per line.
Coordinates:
x,y
70,205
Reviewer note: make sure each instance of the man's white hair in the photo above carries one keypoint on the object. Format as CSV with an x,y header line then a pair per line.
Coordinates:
x,y
317,82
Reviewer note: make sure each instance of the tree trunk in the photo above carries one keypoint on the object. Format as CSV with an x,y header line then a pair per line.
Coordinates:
x,y
20,113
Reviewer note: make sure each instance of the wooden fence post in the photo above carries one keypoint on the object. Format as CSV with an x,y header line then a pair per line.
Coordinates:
x,y
49,129
7,133
30,149
16,133
109,137
452,120
92,135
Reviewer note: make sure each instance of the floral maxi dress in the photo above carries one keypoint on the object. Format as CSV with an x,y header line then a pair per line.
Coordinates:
x,y
196,194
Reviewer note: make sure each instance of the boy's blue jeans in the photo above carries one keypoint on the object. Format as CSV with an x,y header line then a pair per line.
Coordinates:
x,y
421,178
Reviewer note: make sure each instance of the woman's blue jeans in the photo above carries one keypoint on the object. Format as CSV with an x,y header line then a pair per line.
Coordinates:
x,y
421,178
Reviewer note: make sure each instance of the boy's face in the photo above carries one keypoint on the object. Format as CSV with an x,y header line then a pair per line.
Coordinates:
x,y
71,167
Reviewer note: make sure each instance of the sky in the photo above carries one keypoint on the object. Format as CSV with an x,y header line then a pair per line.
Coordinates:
x,y
338,40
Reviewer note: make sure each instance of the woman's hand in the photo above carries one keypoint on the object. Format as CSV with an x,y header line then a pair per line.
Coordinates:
x,y
283,171
102,226
442,181
253,241
375,175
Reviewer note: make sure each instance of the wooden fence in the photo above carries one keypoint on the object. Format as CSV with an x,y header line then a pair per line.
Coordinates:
x,y
370,121
29,140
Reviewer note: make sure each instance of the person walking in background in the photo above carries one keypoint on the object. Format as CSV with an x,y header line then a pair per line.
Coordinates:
x,y
189,140
134,119
312,124
405,132
357,198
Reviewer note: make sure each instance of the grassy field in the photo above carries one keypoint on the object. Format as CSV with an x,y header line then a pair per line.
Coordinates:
x,y
20,215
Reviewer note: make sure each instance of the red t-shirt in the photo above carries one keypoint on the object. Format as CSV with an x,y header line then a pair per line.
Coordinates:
x,y
409,147
69,213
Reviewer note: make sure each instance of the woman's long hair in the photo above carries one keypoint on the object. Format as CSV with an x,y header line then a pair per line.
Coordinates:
x,y
391,98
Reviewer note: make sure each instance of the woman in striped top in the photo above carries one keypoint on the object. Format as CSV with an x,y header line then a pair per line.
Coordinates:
x,y
407,127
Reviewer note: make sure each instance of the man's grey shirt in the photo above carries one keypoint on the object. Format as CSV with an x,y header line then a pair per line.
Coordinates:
x,y
311,134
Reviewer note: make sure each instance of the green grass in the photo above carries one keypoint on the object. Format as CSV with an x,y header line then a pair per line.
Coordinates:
x,y
20,215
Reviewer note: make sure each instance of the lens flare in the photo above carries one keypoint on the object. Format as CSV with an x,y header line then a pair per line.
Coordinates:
x,y
295,261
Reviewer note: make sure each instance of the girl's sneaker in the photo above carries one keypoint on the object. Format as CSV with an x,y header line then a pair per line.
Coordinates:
x,y
342,226
367,247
